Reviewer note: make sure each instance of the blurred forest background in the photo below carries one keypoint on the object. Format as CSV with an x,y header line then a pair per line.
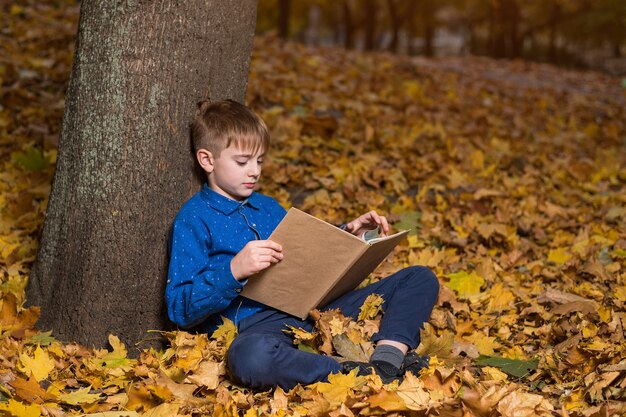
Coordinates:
x,y
573,33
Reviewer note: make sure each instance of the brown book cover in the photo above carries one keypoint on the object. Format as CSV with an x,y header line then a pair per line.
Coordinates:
x,y
320,263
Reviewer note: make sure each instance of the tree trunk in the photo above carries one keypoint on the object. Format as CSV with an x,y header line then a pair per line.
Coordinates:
x,y
392,7
411,28
348,25
369,19
428,23
283,19
125,165
512,17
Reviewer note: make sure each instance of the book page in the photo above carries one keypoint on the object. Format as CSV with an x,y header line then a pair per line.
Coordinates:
x,y
376,252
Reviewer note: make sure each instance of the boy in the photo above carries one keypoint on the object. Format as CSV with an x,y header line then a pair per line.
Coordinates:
x,y
219,240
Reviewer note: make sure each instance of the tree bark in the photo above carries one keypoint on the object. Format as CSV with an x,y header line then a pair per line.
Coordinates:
x,y
283,18
512,16
348,25
428,23
125,165
554,20
394,17
369,23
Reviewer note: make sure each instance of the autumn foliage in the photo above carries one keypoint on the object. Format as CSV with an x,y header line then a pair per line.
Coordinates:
x,y
510,174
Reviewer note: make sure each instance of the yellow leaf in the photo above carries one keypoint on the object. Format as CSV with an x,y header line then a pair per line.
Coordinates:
x,y
336,326
388,401
227,330
371,307
39,366
597,345
494,374
522,404
413,242
207,374
477,160
251,412
427,257
17,409
117,358
485,344
431,345
500,299
559,256
412,392
466,285
80,396
413,89
338,387
620,292
163,410
605,314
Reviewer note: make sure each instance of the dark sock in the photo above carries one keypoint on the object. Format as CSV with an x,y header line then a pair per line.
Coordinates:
x,y
388,354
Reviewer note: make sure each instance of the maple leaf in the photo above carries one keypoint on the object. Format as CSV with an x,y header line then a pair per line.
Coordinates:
x,y
433,345
41,339
226,330
467,286
559,256
388,401
79,397
30,391
39,365
523,404
117,358
207,374
161,410
371,307
16,408
12,317
486,344
413,393
338,387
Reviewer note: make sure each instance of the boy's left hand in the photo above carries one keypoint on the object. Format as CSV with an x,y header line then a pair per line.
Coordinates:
x,y
368,221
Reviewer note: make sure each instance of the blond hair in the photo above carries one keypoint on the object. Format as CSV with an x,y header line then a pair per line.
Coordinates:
x,y
218,125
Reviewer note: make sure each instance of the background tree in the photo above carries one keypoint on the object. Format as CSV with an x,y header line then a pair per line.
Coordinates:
x,y
124,165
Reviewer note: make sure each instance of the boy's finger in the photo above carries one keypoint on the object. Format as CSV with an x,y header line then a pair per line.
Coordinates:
x,y
384,224
271,244
375,217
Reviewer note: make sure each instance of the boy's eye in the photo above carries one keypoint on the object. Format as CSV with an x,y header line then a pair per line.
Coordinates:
x,y
260,162
240,163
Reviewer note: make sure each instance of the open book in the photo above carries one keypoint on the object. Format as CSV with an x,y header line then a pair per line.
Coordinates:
x,y
321,262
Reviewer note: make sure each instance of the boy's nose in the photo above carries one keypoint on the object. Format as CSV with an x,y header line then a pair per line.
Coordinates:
x,y
255,171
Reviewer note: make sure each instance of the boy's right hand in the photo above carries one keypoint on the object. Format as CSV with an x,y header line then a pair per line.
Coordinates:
x,y
255,257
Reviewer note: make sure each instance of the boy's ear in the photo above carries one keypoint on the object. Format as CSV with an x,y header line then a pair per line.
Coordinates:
x,y
205,159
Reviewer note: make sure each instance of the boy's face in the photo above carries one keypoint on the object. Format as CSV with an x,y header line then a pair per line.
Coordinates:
x,y
234,173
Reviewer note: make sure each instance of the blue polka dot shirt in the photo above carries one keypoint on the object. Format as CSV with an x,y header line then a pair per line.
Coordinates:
x,y
208,231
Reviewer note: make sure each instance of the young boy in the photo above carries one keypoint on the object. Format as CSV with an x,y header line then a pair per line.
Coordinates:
x,y
220,239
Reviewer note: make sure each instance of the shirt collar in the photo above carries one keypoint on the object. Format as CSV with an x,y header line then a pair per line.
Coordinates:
x,y
227,205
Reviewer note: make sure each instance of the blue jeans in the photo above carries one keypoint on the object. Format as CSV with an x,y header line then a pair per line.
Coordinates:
x,y
263,356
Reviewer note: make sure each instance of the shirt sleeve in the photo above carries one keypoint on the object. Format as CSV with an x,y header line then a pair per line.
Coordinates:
x,y
195,289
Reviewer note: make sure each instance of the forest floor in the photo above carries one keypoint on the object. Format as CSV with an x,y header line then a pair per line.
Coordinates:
x,y
510,174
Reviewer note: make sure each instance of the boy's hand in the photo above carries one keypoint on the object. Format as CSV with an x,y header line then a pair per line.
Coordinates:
x,y
255,257
368,221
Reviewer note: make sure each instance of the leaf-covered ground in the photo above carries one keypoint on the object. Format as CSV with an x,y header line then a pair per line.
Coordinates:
x,y
511,174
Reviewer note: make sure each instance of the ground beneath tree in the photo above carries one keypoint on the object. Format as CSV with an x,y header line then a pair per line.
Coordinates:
x,y
510,174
